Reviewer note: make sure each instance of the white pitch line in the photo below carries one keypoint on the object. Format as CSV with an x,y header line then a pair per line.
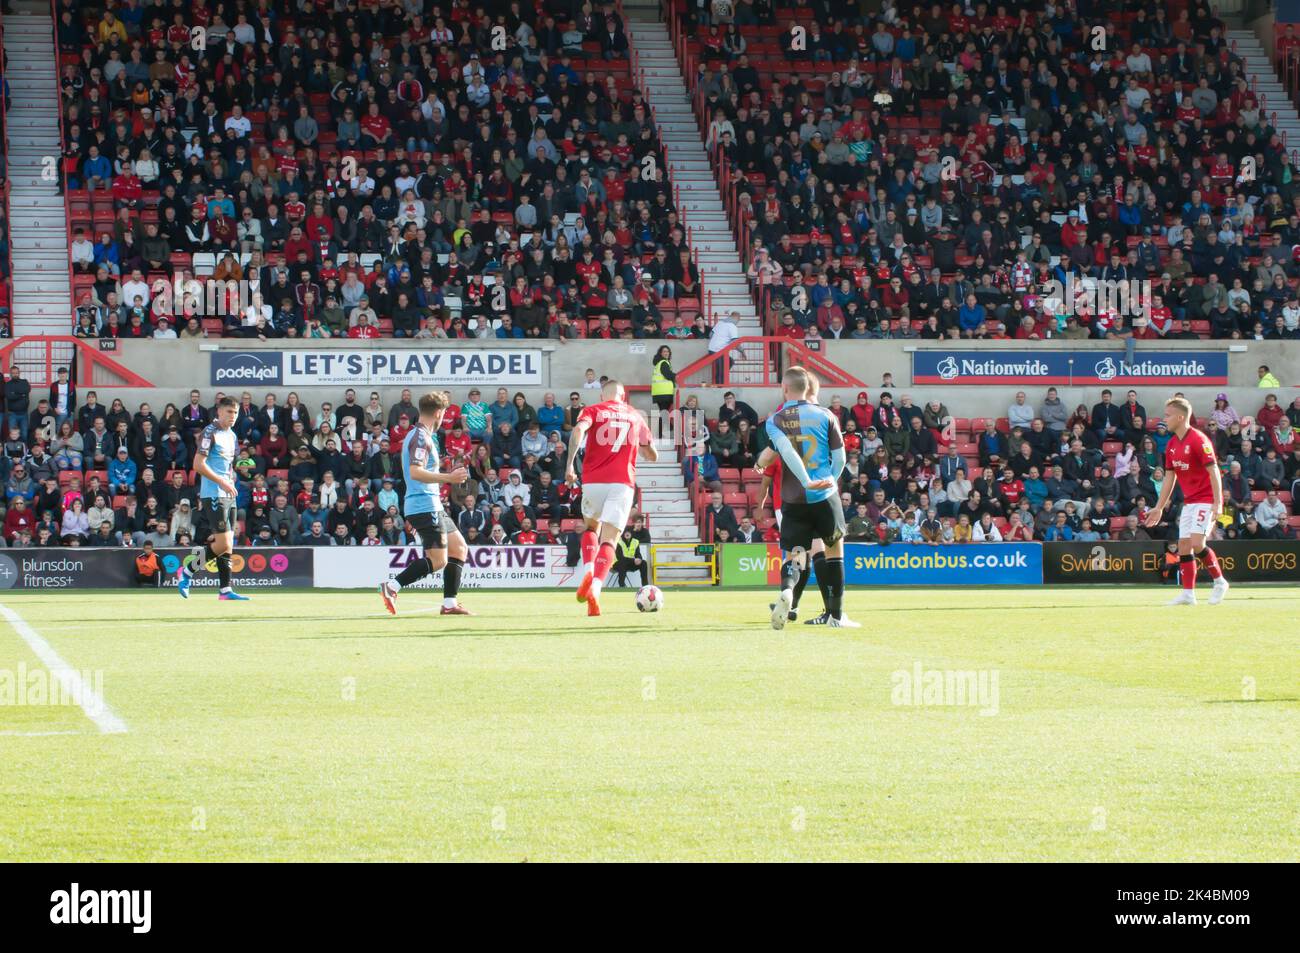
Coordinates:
x,y
91,702
185,624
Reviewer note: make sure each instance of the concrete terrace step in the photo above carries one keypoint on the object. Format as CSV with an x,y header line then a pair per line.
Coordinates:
x,y
37,214
702,209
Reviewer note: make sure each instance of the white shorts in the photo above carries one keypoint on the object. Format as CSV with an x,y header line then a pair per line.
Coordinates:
x,y
1195,520
778,519
611,503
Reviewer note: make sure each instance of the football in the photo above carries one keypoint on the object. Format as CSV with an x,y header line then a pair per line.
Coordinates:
x,y
650,599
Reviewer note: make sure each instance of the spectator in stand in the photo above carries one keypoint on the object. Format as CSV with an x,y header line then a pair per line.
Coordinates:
x,y
719,517
505,447
75,525
477,416
1020,528
962,531
724,445
720,340
1271,515
986,530
1271,414
1132,415
1053,412
1132,530
503,411
1087,532
992,445
17,400
1107,420
1223,414
1060,530
1020,413
733,410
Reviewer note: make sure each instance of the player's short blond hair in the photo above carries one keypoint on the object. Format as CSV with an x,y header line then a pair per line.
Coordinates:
x,y
798,380
611,388
1180,404
434,401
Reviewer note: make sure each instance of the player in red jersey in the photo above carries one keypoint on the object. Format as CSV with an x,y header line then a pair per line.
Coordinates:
x,y
1189,456
615,434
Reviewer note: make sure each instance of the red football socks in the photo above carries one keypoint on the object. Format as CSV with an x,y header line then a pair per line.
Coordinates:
x,y
1211,562
604,562
587,546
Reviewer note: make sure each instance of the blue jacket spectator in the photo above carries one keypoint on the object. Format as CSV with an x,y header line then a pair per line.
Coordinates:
x,y
98,168
122,472
503,411
971,316
1035,491
702,467
550,418
1058,532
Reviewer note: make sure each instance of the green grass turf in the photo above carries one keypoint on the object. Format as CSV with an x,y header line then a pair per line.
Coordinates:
x,y
529,732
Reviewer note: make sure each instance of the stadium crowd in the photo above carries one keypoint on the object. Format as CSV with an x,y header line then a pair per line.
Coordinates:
x,y
917,474
96,474
927,171
82,472
366,170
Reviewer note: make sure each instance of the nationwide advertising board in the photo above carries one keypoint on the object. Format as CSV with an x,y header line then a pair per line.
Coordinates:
x,y
112,568
486,567
445,367
1027,367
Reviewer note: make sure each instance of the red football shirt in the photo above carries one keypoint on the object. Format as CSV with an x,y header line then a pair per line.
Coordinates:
x,y
774,471
1190,459
615,433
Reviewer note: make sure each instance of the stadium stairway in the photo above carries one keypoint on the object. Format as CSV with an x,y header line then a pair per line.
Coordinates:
x,y
722,274
37,213
1273,98
666,503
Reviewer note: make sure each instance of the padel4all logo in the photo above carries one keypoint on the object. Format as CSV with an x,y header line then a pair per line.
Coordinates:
x,y
247,367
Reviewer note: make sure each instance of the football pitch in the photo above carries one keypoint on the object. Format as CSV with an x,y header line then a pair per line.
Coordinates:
x,y
1035,724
